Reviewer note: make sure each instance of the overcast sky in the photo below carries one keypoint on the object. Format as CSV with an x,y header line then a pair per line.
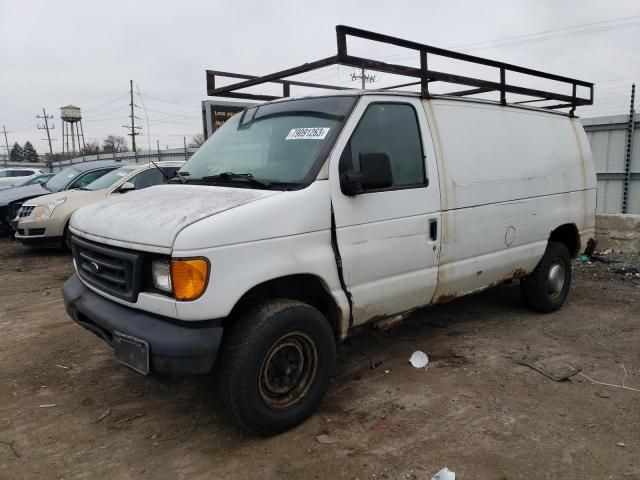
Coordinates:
x,y
85,52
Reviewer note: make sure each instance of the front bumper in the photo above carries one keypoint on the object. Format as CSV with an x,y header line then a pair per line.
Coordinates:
x,y
38,233
38,240
175,347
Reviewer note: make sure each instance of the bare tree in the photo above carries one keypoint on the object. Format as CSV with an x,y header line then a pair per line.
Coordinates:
x,y
92,147
197,140
114,144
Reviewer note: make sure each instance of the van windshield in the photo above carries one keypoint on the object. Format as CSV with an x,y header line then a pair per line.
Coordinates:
x,y
279,144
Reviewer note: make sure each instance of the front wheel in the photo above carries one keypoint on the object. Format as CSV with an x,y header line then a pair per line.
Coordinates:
x,y
276,365
546,288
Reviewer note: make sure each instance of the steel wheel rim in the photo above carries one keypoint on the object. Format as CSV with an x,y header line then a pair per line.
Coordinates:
x,y
555,279
288,370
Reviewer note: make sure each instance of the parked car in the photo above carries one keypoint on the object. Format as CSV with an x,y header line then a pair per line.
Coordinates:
x,y
43,221
10,177
75,176
302,219
31,180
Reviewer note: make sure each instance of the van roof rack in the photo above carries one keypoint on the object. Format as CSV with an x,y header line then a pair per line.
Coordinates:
x,y
424,75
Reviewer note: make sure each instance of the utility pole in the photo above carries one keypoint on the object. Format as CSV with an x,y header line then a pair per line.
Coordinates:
x,y
629,152
364,78
158,148
6,142
132,129
133,117
46,118
185,148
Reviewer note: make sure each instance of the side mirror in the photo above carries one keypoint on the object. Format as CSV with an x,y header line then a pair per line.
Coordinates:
x,y
126,187
375,173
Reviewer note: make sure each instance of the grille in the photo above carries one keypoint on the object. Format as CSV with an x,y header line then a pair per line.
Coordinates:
x,y
115,271
25,211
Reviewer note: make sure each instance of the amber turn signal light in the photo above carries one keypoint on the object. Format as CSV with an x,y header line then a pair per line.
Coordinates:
x,y
189,277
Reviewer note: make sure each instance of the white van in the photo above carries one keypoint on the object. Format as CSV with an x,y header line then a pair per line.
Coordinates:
x,y
302,219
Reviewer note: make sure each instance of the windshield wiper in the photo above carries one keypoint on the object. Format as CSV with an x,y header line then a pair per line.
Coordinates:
x,y
164,174
180,177
245,176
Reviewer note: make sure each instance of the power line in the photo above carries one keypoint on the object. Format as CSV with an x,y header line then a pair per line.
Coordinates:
x,y
470,45
99,115
106,103
167,101
173,122
555,37
504,43
107,119
146,114
174,114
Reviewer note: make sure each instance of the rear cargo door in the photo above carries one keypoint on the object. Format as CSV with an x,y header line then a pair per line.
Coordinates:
x,y
388,239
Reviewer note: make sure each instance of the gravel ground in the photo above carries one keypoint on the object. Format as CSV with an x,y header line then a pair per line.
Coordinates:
x,y
69,411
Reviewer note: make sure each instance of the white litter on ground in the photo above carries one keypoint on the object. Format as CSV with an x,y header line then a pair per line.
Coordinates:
x,y
419,359
444,474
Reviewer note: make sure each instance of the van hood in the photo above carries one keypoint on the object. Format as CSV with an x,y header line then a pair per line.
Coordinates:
x,y
150,219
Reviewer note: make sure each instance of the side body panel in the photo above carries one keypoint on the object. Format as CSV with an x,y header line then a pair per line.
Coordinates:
x,y
389,260
509,177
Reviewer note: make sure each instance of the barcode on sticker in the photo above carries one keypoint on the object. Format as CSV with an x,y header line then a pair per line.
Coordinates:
x,y
307,133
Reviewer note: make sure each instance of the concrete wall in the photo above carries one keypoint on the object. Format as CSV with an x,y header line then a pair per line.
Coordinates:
x,y
618,232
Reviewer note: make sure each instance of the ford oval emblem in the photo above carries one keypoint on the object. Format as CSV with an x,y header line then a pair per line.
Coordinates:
x,y
94,267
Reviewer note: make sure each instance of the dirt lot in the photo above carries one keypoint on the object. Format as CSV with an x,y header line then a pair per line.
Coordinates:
x,y
69,411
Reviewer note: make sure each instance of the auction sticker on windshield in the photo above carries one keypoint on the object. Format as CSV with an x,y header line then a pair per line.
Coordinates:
x,y
307,133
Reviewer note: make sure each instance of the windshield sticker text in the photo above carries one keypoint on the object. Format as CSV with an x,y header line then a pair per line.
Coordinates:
x,y
307,134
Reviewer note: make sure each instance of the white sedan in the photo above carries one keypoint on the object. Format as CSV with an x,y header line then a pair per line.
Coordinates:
x,y
15,175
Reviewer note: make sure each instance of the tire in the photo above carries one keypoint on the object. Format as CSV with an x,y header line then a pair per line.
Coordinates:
x,y
546,288
276,365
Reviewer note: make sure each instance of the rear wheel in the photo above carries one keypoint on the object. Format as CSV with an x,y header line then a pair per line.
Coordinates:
x,y
546,288
276,365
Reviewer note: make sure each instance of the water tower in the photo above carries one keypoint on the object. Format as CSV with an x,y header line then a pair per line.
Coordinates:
x,y
71,128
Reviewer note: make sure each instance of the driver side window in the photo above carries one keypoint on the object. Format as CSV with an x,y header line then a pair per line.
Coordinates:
x,y
148,178
87,178
390,128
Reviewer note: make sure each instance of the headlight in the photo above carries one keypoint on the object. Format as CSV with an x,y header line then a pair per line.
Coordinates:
x,y
161,274
183,278
46,210
189,277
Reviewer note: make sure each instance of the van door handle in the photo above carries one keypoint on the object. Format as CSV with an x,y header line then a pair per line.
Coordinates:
x,y
433,229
